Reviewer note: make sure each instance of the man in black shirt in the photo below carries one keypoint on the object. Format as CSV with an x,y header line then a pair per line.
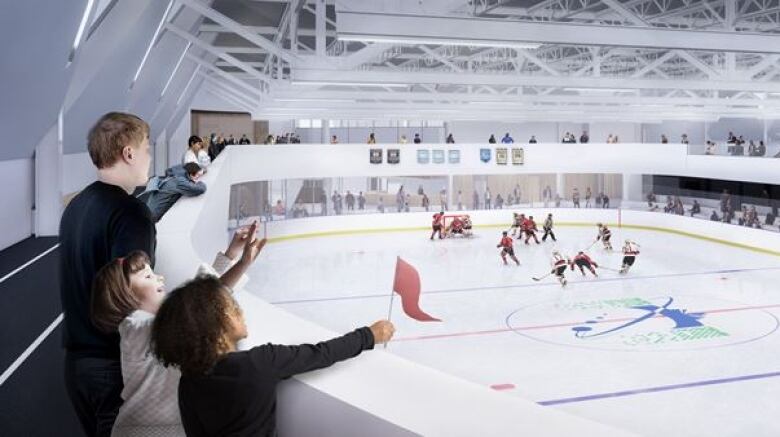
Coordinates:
x,y
101,223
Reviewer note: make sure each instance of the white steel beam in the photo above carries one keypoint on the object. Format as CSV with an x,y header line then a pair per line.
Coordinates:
x,y
227,76
379,77
236,27
216,51
370,26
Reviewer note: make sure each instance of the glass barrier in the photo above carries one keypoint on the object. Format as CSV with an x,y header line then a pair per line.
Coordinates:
x,y
750,149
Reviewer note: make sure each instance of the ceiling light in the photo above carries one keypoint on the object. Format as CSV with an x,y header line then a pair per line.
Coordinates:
x,y
335,83
316,100
439,41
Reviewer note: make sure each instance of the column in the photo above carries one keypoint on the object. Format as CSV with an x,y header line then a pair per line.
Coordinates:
x,y
559,185
48,182
319,28
325,132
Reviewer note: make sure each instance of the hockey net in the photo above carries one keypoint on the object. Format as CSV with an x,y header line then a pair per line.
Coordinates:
x,y
451,231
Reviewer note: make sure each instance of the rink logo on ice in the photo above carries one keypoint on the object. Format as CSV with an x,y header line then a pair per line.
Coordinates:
x,y
643,324
687,326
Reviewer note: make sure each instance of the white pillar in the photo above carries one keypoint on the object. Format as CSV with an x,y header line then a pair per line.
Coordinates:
x,y
48,182
319,27
325,132
632,187
559,188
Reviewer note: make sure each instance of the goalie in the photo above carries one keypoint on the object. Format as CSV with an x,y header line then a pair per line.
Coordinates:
x,y
459,225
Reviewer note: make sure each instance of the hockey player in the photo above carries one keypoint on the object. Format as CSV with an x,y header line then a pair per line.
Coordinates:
x,y
548,228
630,252
438,218
467,225
529,227
558,267
604,235
506,245
583,261
456,227
517,223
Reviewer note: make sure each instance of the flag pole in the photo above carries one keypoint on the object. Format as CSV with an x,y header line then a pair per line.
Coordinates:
x,y
392,296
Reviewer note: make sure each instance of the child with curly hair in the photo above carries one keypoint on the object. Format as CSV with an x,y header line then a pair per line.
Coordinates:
x,y
125,298
224,391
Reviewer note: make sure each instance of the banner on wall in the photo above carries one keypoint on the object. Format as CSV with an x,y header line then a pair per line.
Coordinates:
x,y
484,155
393,156
501,156
423,156
454,156
518,156
438,156
375,156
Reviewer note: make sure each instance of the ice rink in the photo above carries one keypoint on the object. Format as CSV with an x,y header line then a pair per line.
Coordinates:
x,y
685,344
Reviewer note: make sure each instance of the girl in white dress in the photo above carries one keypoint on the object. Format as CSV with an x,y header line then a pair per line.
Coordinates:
x,y
126,295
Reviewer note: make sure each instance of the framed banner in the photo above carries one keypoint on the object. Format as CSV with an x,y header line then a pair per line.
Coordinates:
x,y
375,156
393,156
453,156
438,156
501,156
484,155
518,156
423,156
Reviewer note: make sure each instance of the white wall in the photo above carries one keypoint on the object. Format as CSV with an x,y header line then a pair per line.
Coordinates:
x,y
77,172
16,220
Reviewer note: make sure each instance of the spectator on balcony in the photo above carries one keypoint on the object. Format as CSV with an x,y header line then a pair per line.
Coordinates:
x,y
492,139
761,149
403,140
361,199
450,139
400,199
244,140
334,139
532,140
664,140
558,200
588,195
507,139
371,138
350,199
499,201
460,201
695,208
610,139
279,208
684,139
426,203
710,148
443,199
381,205
417,139
475,200
584,138
714,216
568,138
575,197
651,200
180,180
231,141
547,195
487,198
604,201
191,154
738,149
732,139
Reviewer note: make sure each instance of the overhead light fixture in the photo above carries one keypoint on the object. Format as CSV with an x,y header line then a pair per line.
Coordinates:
x,y
411,40
80,31
335,83
316,100
603,90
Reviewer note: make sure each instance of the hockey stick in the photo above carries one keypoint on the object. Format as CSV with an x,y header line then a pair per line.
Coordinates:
x,y
539,279
609,269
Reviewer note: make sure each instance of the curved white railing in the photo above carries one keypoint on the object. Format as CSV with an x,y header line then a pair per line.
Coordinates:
x,y
379,393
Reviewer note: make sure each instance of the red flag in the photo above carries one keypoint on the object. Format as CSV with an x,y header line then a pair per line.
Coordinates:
x,y
407,285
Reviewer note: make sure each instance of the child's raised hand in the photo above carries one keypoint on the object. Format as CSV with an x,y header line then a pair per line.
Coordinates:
x,y
252,246
236,246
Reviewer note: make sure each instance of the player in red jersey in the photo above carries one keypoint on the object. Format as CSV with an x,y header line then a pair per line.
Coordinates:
x,y
630,252
604,235
438,218
583,261
456,227
558,267
506,245
529,227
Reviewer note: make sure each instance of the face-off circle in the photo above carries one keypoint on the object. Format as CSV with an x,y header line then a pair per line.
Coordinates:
x,y
659,323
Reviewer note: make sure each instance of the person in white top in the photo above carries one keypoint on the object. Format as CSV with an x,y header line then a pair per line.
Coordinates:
x,y
195,146
126,296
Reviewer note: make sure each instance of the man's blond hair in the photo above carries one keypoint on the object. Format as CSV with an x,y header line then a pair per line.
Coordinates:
x,y
111,134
